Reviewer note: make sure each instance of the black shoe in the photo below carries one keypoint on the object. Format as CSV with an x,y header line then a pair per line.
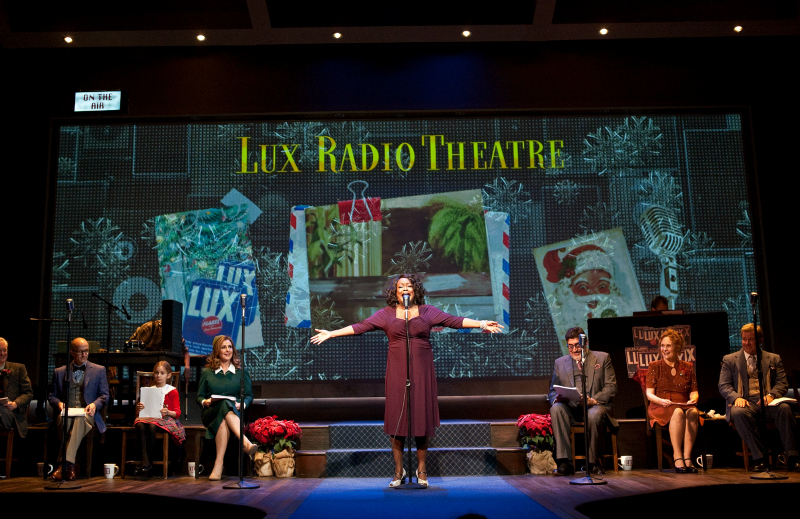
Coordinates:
x,y
759,465
142,472
689,469
596,469
564,469
680,470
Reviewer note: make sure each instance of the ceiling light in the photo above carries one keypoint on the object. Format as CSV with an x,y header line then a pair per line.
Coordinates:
x,y
604,31
201,37
738,28
466,34
68,39
337,35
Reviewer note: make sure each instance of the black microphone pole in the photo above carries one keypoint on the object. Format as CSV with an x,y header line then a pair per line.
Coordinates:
x,y
241,484
762,421
409,485
64,484
587,478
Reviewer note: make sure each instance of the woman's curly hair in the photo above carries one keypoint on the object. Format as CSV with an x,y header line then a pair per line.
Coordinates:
x,y
419,290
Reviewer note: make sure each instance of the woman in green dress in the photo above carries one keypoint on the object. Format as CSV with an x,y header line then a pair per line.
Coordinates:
x,y
222,377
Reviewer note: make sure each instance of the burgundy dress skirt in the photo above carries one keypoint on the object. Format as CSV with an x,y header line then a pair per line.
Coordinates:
x,y
676,388
424,398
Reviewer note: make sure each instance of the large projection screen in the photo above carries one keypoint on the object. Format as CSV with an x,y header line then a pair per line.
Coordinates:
x,y
537,221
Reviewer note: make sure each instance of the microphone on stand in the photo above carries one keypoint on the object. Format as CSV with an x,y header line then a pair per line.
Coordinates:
x,y
70,308
662,232
582,344
243,298
405,300
753,298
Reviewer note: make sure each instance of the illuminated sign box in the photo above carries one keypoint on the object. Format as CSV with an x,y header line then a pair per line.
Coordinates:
x,y
101,101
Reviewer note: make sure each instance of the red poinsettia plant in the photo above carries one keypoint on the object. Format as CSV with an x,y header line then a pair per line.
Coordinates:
x,y
272,434
536,430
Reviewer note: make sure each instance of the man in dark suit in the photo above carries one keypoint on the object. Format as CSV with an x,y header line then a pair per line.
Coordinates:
x,y
16,387
738,384
601,386
87,388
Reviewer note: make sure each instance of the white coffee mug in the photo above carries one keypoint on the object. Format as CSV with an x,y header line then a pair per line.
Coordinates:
x,y
110,470
626,462
40,469
192,469
709,459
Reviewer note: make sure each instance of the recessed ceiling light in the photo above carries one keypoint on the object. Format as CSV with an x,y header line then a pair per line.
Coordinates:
x,y
603,31
738,28
68,39
201,37
466,34
337,35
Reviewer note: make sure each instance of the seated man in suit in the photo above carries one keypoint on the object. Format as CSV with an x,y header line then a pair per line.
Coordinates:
x,y
16,387
601,386
738,384
87,388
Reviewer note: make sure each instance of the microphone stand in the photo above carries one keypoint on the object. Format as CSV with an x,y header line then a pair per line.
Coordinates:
x,y
587,478
409,485
109,307
762,421
63,484
241,484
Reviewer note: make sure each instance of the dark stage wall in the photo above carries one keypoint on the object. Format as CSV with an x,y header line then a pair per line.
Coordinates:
x,y
590,75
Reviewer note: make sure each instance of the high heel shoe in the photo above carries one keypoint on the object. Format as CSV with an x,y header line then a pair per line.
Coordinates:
x,y
399,479
689,469
252,451
679,470
423,482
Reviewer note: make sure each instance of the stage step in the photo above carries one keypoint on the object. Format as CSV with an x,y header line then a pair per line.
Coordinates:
x,y
362,449
370,435
376,463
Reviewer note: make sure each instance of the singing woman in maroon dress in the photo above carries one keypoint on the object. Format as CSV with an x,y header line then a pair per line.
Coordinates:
x,y
424,403
672,391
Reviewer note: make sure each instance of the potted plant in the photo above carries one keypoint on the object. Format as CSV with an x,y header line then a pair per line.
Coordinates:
x,y
536,434
276,444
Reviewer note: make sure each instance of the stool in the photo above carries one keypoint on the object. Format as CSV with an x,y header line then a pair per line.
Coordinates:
x,y
9,434
578,428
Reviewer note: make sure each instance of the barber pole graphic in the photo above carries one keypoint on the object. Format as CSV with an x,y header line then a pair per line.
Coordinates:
x,y
298,300
498,230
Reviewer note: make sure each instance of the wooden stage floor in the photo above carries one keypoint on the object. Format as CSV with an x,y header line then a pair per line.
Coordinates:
x,y
280,497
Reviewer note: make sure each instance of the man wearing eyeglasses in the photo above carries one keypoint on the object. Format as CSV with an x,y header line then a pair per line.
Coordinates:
x,y
86,389
601,386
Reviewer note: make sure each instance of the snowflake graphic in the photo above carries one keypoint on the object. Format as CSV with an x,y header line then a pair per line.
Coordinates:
x,y
743,227
286,359
228,132
413,257
60,268
660,189
100,245
503,196
307,135
739,313
697,249
599,217
565,191
554,172
537,313
633,143
66,166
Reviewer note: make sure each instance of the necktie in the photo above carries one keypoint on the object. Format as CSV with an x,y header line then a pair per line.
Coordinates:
x,y
751,363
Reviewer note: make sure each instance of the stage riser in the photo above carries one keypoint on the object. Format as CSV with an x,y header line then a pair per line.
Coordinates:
x,y
448,435
440,462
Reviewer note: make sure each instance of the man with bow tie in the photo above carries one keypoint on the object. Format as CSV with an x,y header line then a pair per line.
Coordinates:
x,y
738,384
87,389
601,386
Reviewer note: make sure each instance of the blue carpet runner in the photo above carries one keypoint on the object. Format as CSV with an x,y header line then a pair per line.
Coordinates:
x,y
447,497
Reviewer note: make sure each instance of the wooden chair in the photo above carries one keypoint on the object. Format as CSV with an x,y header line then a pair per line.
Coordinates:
x,y
143,379
578,428
9,434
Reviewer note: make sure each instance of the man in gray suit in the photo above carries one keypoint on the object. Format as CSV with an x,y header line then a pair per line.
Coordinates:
x,y
16,387
738,384
601,386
